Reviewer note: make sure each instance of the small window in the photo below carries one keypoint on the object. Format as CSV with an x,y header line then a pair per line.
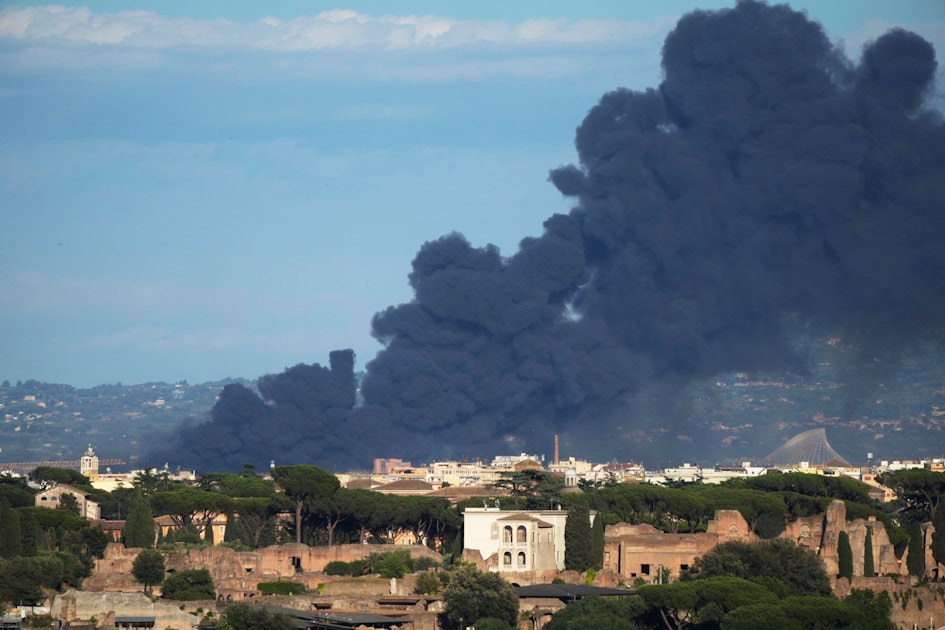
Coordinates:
x,y
645,569
521,534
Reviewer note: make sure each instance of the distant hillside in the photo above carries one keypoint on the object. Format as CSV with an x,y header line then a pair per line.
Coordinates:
x,y
893,408
46,421
895,411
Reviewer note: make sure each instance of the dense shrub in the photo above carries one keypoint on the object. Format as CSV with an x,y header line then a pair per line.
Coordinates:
x,y
246,617
188,585
427,584
282,587
337,567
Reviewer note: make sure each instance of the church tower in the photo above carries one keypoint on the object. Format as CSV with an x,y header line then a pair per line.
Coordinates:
x,y
88,465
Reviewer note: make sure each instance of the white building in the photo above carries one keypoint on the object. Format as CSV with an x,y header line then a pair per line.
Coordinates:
x,y
52,498
512,540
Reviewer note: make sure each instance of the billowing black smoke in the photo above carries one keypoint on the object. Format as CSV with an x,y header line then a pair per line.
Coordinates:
x,y
768,187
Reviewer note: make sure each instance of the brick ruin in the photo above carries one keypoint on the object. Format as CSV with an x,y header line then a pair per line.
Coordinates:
x,y
633,553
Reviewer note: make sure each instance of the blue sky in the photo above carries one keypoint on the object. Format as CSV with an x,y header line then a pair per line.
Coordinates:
x,y
197,190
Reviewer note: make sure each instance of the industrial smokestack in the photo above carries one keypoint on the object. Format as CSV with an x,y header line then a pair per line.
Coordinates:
x,y
556,450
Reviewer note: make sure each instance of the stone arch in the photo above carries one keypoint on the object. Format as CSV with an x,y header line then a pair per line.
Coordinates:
x,y
521,534
507,533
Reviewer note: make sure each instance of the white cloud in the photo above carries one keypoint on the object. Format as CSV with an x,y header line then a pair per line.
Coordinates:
x,y
337,44
336,29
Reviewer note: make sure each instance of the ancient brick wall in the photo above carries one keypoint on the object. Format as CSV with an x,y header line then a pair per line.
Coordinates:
x,y
641,551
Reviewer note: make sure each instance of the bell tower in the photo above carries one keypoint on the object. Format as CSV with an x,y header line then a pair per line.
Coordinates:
x,y
88,465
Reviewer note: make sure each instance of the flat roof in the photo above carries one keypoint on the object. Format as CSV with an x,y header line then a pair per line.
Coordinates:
x,y
570,592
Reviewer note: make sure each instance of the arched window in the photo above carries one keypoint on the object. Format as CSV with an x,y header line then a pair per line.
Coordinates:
x,y
507,558
507,533
521,558
805,531
733,532
520,534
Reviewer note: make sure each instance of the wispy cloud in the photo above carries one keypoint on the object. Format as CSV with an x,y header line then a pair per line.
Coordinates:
x,y
68,38
335,29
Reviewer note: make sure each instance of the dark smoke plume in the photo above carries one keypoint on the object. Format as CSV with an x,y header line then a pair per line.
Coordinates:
x,y
767,187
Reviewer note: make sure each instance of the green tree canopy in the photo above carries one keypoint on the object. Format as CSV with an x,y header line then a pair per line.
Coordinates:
x,y
307,486
247,617
845,556
920,491
16,494
938,536
578,544
11,540
600,613
188,585
701,603
139,526
188,506
537,489
472,595
869,565
796,566
60,475
148,568
68,502
915,561
237,486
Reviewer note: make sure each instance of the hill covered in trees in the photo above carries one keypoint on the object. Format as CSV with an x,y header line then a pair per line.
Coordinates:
x,y
894,409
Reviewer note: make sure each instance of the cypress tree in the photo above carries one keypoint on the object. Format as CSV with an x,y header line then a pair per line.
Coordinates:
x,y
916,559
938,536
139,527
869,570
11,542
845,553
236,532
597,541
577,539
29,533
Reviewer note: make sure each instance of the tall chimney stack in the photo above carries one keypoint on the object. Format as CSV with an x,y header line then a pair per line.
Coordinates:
x,y
556,450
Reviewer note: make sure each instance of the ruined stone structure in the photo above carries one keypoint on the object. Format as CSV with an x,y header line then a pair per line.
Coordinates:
x,y
642,551
75,606
236,574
